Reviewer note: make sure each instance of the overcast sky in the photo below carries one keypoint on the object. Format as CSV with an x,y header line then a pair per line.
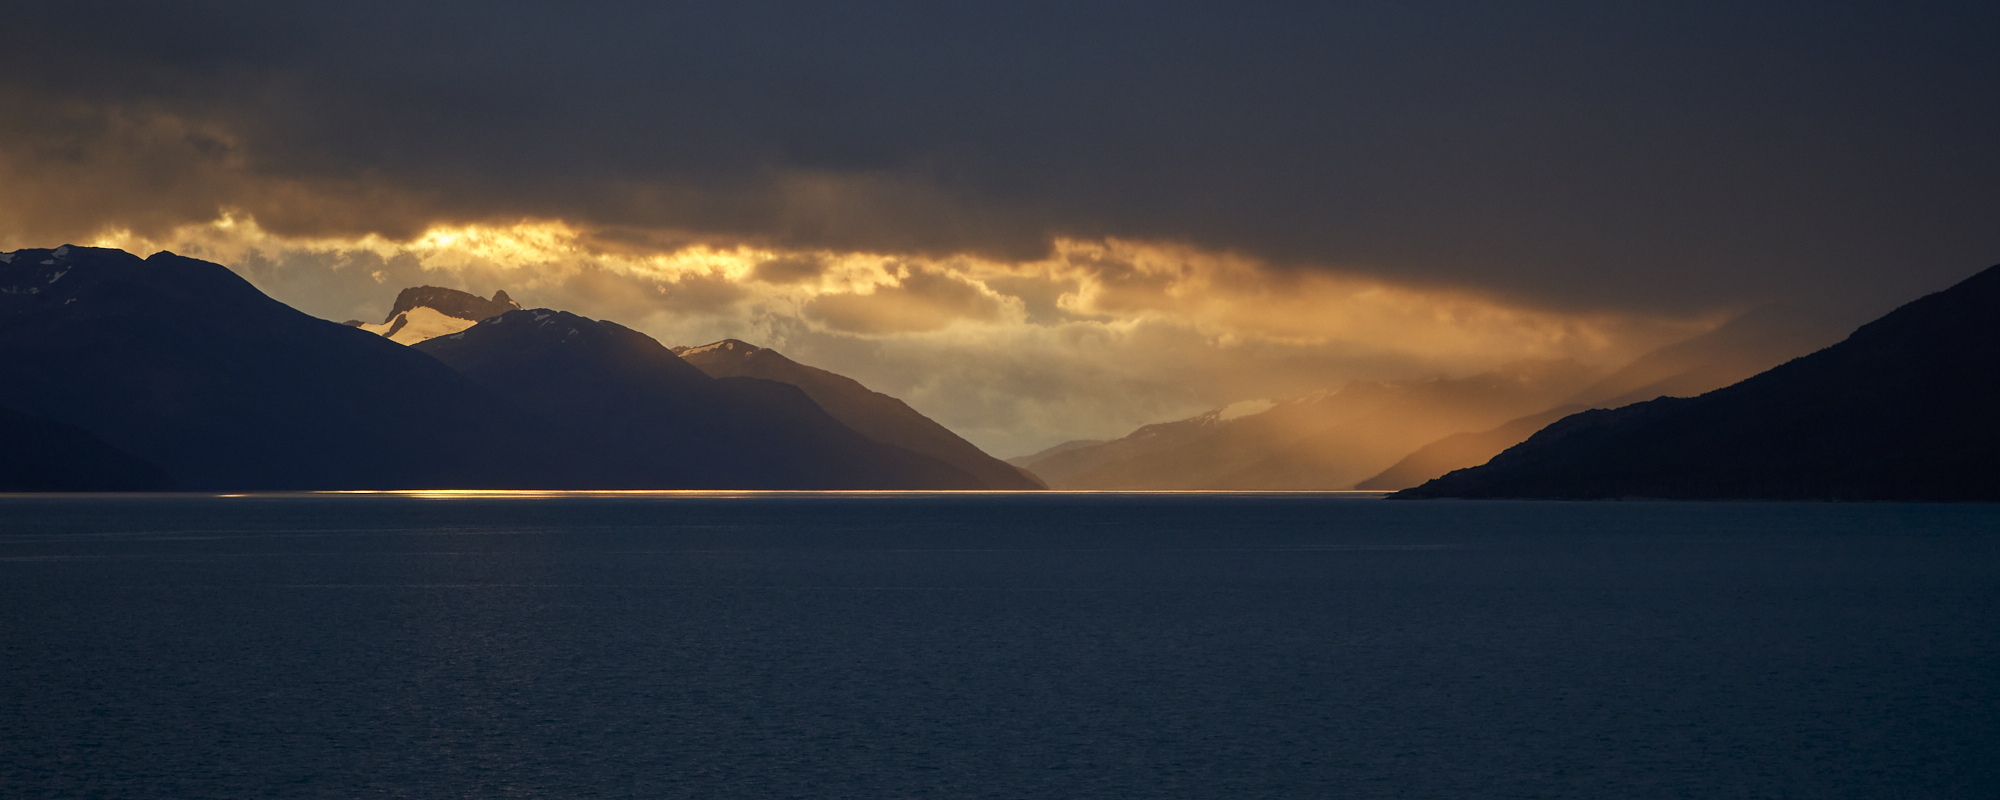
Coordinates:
x,y
1035,221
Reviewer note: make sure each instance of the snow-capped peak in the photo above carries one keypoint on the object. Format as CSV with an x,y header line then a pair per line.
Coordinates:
x,y
418,324
8,258
726,345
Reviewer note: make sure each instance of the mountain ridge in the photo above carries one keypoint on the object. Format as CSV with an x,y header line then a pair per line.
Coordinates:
x,y
1324,441
873,414
1748,344
655,419
183,364
1899,410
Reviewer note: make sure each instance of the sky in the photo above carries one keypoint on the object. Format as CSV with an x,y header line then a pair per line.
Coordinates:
x,y
1035,221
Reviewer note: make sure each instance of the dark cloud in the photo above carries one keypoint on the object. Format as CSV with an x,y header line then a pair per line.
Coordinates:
x,y
788,270
1664,156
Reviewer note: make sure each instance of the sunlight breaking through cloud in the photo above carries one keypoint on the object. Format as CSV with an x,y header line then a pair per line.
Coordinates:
x,y
1088,341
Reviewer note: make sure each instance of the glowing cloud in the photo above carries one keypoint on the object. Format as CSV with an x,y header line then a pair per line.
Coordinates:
x,y
1092,339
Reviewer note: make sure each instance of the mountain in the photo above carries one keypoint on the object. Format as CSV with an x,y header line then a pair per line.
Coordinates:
x,y
1111,464
873,414
183,365
1461,450
427,312
651,419
37,455
1341,456
1903,409
1751,343
1025,462
1328,441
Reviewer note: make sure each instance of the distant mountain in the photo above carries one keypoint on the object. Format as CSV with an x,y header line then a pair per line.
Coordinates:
x,y
1756,341
1025,462
1903,409
873,414
37,455
650,419
1323,442
1461,450
1117,464
427,312
1341,456
185,366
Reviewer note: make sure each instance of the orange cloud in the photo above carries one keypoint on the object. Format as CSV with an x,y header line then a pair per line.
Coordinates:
x,y
920,300
1085,342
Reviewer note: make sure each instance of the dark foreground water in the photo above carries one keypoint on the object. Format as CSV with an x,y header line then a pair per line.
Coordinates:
x,y
1008,647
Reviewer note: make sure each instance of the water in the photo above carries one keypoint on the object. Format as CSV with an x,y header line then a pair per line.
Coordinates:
x,y
1015,646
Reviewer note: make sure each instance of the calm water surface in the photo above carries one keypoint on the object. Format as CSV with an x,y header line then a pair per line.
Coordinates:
x,y
1053,646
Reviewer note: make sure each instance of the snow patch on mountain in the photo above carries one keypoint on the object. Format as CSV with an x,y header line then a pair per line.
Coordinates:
x,y
726,345
1244,408
418,324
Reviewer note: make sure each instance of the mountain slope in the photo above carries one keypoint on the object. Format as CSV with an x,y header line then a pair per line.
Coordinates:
x,y
1196,452
1756,341
1324,442
184,365
1903,409
652,420
1749,344
1339,457
37,455
873,414
1461,450
1028,461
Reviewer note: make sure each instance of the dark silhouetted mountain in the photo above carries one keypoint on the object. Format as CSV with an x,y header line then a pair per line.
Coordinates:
x,y
1323,442
184,365
1744,346
1903,409
873,414
1749,344
427,312
653,420
37,455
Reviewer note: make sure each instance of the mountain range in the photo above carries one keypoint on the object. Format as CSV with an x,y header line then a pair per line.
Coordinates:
x,y
1389,436
428,312
649,419
175,371
1902,409
180,364
1327,441
1744,346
